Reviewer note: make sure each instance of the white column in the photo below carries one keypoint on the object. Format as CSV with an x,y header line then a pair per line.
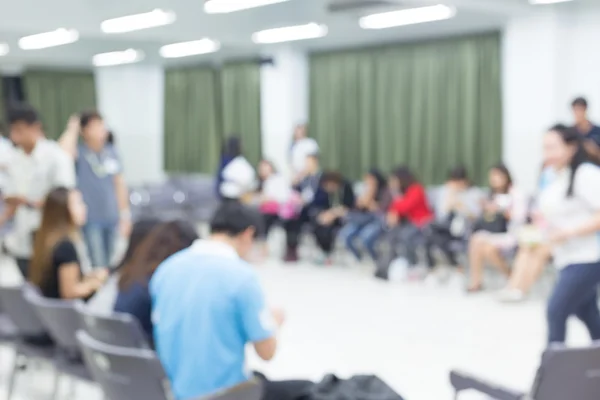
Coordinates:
x,y
532,73
131,100
284,103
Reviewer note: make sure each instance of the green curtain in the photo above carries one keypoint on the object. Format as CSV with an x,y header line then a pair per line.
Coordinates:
x,y
430,105
192,137
240,106
2,110
59,94
203,106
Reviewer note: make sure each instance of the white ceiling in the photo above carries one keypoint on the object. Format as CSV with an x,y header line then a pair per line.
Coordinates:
x,y
23,17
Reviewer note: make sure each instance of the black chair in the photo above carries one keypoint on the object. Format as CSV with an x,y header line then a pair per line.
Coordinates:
x,y
62,323
124,373
116,329
32,341
563,374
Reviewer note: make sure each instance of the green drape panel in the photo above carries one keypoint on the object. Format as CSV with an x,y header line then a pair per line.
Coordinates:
x,y
2,109
192,137
431,105
240,106
59,94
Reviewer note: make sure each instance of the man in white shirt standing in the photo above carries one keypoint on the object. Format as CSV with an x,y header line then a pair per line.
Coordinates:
x,y
38,165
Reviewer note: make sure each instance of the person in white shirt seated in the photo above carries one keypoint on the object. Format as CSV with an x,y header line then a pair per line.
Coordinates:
x,y
238,179
570,207
302,147
275,197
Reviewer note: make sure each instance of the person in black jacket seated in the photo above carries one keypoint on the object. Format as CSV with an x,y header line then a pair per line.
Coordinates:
x,y
162,242
306,186
331,203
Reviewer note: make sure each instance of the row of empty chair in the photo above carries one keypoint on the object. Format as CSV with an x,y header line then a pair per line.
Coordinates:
x,y
110,350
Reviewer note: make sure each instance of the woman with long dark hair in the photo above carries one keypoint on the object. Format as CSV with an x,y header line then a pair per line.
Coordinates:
x,y
570,206
162,242
408,214
504,213
58,259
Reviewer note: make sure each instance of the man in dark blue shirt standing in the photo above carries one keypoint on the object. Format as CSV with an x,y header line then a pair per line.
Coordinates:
x,y
585,127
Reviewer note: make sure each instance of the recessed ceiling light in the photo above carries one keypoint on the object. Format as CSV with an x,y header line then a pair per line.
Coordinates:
x,y
48,39
128,56
192,48
227,6
137,22
540,2
407,17
290,33
4,49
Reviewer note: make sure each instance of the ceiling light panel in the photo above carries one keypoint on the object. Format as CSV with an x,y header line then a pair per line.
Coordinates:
x,y
44,40
138,22
4,49
409,16
227,6
290,33
191,48
542,2
128,56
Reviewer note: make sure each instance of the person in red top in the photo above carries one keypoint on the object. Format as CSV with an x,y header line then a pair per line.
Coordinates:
x,y
408,214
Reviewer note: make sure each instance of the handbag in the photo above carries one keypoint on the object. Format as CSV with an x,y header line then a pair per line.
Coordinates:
x,y
493,223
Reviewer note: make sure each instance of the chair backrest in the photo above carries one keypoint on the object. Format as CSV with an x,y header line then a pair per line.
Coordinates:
x,y
58,317
115,329
251,390
124,373
568,373
20,312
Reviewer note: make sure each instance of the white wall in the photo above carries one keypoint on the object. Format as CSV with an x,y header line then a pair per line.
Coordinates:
x,y
284,103
131,100
548,59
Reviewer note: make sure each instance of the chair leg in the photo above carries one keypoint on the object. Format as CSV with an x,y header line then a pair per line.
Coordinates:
x,y
56,385
12,376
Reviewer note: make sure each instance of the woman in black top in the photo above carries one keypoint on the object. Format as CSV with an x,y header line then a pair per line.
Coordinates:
x,y
56,264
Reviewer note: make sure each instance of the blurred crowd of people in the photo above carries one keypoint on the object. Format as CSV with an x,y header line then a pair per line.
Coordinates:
x,y
68,202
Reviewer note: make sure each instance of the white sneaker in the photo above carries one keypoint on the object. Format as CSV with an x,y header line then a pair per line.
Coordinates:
x,y
510,295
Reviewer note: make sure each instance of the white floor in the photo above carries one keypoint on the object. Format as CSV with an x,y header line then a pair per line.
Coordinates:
x,y
340,320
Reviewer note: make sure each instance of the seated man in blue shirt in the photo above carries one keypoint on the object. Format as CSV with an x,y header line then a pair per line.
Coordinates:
x,y
207,304
586,128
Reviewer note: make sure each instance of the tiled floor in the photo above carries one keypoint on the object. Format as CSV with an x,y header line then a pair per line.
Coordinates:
x,y
340,320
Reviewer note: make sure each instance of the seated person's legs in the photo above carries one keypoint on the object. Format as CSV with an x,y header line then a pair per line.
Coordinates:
x,y
527,267
486,247
370,235
349,233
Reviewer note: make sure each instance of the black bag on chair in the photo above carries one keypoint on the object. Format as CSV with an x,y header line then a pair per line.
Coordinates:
x,y
359,387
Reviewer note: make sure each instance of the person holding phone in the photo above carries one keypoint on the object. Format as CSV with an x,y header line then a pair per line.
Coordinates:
x,y
101,182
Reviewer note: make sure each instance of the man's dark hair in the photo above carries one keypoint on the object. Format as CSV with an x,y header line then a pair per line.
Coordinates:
x,y
233,218
458,174
88,116
332,177
21,112
580,101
